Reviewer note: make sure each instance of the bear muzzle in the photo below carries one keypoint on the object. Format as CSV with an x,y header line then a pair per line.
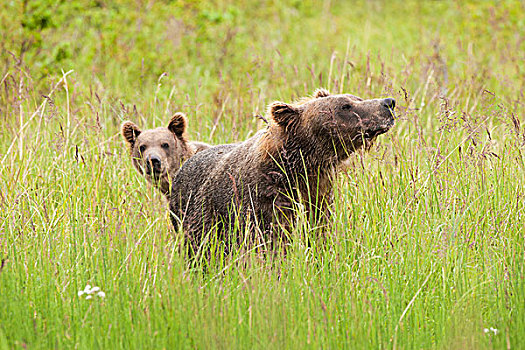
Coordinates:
x,y
153,165
389,103
386,120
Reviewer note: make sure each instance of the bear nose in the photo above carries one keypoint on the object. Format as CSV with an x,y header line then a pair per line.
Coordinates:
x,y
153,163
389,103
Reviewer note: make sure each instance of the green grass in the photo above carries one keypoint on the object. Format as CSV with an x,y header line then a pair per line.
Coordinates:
x,y
427,241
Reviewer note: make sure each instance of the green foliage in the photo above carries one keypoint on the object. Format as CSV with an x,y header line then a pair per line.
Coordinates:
x,y
427,241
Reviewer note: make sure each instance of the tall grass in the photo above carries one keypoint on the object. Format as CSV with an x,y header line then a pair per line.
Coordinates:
x,y
426,247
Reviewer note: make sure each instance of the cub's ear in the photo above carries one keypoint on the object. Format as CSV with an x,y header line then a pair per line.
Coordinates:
x,y
177,124
321,93
130,131
283,113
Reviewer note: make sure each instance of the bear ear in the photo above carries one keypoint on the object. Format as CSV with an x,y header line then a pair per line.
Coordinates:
x,y
321,93
130,131
177,124
283,113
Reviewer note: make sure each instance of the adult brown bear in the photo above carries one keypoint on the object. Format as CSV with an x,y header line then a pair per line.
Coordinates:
x,y
256,186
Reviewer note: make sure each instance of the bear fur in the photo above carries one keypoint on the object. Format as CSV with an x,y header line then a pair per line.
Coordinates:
x,y
158,153
257,185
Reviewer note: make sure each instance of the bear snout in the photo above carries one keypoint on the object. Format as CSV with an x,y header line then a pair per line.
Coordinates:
x,y
153,164
389,103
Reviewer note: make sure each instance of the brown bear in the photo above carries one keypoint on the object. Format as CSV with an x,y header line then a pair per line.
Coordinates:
x,y
256,186
158,153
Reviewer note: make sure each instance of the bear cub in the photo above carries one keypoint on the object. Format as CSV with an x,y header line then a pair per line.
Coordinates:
x,y
159,153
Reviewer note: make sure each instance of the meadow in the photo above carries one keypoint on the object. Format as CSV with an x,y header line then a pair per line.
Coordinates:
x,y
427,242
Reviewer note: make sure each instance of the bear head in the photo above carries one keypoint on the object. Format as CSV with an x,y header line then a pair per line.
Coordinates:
x,y
342,122
158,153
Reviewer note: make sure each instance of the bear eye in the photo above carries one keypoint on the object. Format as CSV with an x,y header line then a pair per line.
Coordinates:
x,y
165,145
142,148
347,107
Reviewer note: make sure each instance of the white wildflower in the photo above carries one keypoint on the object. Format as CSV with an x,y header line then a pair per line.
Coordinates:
x,y
491,329
91,292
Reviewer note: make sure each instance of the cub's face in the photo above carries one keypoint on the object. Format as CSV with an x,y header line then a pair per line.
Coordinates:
x,y
158,153
345,121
